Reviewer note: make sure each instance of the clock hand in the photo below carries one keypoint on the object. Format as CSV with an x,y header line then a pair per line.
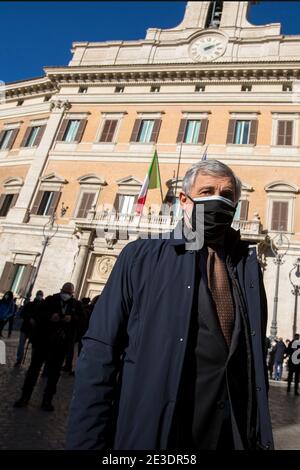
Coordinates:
x,y
209,47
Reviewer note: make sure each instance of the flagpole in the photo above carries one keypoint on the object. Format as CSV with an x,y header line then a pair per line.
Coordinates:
x,y
178,165
161,193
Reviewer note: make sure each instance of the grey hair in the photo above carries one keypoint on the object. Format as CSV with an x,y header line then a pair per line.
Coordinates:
x,y
213,168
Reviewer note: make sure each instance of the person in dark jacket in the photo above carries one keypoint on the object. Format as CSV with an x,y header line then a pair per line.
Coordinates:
x,y
174,357
8,310
56,327
29,314
293,354
279,352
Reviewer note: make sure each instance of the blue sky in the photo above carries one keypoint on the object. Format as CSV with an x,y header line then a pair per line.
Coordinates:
x,y
36,34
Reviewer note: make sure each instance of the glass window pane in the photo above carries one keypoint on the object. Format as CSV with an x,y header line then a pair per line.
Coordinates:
x,y
72,130
17,279
5,141
146,131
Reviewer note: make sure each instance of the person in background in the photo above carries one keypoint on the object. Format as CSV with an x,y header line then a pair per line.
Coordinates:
x,y
29,314
293,366
8,310
56,328
279,350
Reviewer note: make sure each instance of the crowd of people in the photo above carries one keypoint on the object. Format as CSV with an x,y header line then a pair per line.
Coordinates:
x,y
280,354
52,326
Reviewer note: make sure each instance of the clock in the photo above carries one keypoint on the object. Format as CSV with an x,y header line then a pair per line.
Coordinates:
x,y
208,47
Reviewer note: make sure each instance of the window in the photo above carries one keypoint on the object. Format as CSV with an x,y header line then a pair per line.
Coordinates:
x,y
125,203
119,89
83,89
192,131
279,219
86,202
287,87
155,89
45,202
7,138
32,136
285,132
6,202
199,88
241,212
16,277
242,132
145,131
71,130
246,88
108,131
214,14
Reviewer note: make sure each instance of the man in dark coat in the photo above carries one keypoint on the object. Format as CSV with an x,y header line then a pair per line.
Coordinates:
x,y
174,357
279,352
56,327
30,315
293,353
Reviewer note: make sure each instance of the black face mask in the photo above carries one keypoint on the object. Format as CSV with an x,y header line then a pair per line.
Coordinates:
x,y
218,217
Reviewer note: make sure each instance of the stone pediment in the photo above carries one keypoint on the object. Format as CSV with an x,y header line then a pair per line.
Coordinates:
x,y
13,182
53,178
282,187
129,181
92,178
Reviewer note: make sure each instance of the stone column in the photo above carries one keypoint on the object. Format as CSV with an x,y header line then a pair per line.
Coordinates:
x,y
84,245
19,213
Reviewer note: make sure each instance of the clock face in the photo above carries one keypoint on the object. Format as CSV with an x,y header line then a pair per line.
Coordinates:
x,y
208,47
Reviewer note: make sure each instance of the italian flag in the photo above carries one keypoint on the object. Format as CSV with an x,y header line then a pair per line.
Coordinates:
x,y
151,181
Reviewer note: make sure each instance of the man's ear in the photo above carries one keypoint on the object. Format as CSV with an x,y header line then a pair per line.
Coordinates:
x,y
183,199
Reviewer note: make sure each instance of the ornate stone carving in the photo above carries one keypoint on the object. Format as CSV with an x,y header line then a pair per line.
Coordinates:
x,y
60,104
104,266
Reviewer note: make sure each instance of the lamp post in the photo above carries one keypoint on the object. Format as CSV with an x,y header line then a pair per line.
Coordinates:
x,y
294,276
277,243
49,231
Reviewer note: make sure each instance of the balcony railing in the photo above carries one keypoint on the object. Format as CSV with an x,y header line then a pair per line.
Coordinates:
x,y
155,223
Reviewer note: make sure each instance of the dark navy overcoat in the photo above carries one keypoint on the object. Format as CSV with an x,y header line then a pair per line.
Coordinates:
x,y
143,316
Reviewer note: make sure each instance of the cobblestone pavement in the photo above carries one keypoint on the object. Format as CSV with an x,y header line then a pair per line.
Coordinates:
x,y
31,428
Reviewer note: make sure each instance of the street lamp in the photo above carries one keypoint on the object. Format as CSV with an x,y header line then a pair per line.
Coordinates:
x,y
49,231
294,276
277,243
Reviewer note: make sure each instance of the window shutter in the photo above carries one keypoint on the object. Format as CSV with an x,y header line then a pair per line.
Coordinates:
x,y
2,136
14,199
111,132
7,277
37,202
289,133
54,202
280,133
279,215
26,136
230,132
62,130
244,209
26,280
85,205
39,136
80,131
155,131
253,132
116,202
12,138
135,130
105,131
181,131
2,198
203,130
